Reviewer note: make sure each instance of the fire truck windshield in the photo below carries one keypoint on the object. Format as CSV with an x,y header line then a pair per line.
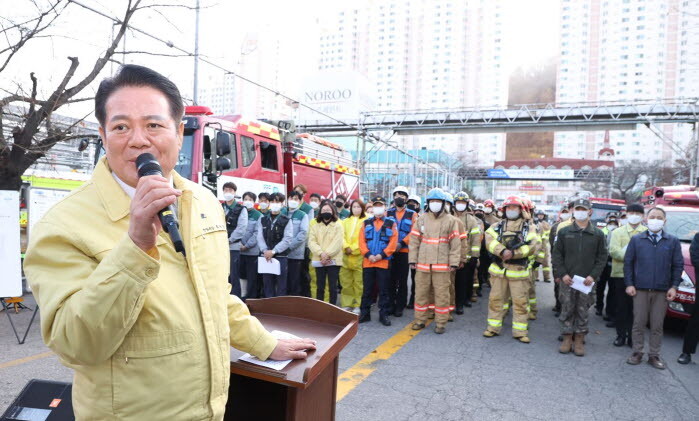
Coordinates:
x,y
682,224
184,161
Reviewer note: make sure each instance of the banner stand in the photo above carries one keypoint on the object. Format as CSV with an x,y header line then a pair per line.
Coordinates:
x,y
7,308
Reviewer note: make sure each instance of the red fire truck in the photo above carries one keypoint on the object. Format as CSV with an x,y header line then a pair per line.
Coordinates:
x,y
262,156
681,203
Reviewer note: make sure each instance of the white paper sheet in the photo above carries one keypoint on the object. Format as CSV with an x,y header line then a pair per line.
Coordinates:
x,y
579,284
274,365
271,267
318,264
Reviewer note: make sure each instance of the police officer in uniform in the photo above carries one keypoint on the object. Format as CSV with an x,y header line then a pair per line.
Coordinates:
x,y
405,218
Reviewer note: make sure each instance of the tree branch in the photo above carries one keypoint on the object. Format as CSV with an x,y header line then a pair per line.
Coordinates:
x,y
155,54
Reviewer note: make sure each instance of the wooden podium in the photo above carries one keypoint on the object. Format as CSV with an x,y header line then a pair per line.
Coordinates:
x,y
306,389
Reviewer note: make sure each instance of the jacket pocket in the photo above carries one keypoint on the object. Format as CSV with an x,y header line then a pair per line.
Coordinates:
x,y
158,376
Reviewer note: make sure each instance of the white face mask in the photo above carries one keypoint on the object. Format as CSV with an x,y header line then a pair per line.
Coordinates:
x,y
565,216
275,207
460,207
581,215
435,207
248,204
314,205
634,219
228,196
264,205
512,214
655,225
379,210
488,210
293,204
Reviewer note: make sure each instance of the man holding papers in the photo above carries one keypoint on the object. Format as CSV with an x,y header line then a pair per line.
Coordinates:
x,y
579,252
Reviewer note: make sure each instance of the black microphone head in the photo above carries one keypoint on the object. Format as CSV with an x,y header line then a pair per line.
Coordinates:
x,y
148,165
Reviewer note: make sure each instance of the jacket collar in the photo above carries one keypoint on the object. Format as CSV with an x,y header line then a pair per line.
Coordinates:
x,y
588,229
631,229
647,234
114,199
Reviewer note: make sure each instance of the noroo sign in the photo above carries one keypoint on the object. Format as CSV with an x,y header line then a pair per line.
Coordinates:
x,y
328,95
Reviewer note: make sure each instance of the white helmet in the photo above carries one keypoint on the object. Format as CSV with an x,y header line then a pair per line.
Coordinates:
x,y
415,198
401,189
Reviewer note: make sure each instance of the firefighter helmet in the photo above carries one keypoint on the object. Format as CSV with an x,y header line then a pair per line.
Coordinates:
x,y
512,200
436,194
461,196
489,203
449,199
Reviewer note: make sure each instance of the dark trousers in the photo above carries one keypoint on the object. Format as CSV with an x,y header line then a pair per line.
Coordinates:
x,y
556,292
293,279
604,282
411,300
623,305
463,283
382,278
250,265
483,274
275,285
234,275
306,274
399,282
332,273
691,336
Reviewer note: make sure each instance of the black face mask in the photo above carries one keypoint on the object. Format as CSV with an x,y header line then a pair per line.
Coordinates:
x,y
339,204
412,207
480,215
399,202
326,216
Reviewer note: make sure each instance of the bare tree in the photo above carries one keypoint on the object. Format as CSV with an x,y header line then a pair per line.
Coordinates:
x,y
632,177
32,132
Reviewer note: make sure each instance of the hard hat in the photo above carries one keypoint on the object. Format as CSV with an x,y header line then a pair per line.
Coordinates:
x,y
480,207
401,189
513,200
461,196
450,198
436,194
415,198
540,212
489,203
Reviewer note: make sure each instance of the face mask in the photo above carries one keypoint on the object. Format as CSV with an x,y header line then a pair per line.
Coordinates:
x,y
623,222
228,196
479,215
379,210
248,204
326,215
339,204
655,225
275,207
293,204
612,227
635,219
461,207
488,210
512,214
264,205
412,207
314,205
399,202
581,215
565,216
435,207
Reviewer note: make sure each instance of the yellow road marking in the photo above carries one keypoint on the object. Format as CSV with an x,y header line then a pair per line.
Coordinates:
x,y
356,374
26,359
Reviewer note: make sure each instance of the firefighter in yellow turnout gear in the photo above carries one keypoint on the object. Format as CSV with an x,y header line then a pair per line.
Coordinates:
x,y
435,251
511,242
538,257
545,230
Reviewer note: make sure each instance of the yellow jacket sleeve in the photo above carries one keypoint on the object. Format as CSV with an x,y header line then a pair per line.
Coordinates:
x,y
492,244
454,244
87,306
313,241
616,249
351,234
247,333
475,238
334,247
528,249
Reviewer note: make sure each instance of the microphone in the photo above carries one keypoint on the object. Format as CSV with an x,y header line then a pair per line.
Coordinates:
x,y
148,165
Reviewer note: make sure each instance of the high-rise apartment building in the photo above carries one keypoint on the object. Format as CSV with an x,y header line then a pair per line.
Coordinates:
x,y
627,51
425,54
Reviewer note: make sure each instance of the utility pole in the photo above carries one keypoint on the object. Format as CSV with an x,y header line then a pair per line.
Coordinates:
x,y
696,142
195,95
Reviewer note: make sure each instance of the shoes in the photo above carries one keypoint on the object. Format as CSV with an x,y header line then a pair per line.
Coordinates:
x,y
459,310
557,314
620,341
410,306
365,318
567,344
418,326
439,330
538,280
598,312
555,309
611,324
656,362
478,293
489,334
684,359
629,342
451,317
384,321
524,339
607,319
474,299
398,313
356,310
467,304
548,281
532,316
579,345
635,358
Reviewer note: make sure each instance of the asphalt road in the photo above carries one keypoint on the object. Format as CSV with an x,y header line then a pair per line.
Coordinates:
x,y
462,376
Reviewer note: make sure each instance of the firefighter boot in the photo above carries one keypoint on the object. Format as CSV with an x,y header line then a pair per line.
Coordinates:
x,y
566,345
579,345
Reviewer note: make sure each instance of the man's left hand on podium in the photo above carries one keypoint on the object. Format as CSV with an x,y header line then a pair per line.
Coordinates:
x,y
292,349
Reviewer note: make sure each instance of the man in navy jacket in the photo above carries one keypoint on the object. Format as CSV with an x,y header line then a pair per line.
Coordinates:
x,y
652,272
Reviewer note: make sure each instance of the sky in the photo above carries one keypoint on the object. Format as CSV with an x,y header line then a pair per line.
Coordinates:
x,y
224,27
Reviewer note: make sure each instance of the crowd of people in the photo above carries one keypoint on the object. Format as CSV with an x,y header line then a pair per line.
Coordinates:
x,y
436,258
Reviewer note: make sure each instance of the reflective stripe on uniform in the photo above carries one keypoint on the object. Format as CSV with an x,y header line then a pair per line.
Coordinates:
x,y
476,249
436,240
506,306
492,245
464,235
524,250
420,308
440,267
421,266
532,301
519,326
441,310
546,269
495,322
475,230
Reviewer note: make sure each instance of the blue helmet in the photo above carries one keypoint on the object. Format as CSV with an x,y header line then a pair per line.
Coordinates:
x,y
449,199
436,194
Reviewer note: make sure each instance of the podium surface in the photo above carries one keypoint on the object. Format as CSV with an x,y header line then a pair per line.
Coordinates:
x,y
305,389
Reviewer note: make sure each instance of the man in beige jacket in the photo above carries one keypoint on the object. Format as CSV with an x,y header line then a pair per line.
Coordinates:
x,y
147,331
